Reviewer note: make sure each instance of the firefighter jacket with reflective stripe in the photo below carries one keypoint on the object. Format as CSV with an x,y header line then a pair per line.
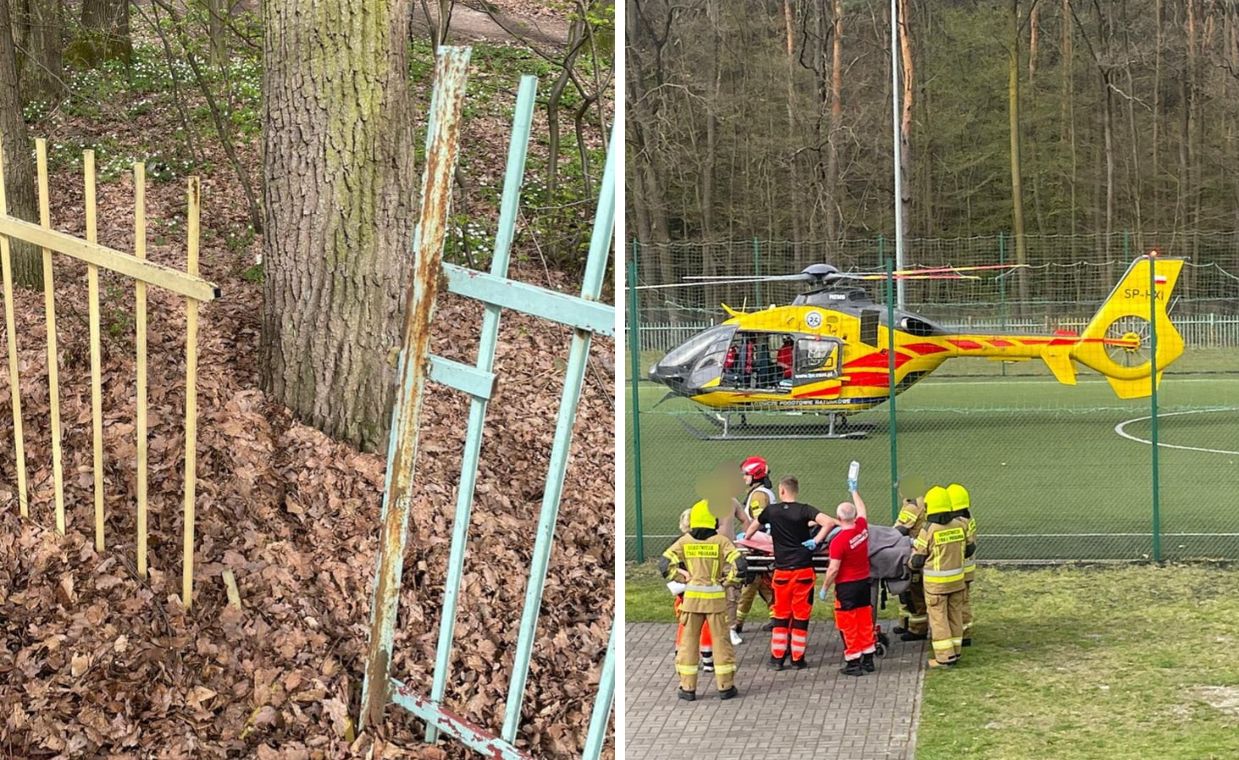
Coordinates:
x,y
970,539
757,500
911,517
710,563
942,546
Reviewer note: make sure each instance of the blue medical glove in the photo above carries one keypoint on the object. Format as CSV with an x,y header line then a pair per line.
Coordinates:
x,y
851,486
811,545
740,535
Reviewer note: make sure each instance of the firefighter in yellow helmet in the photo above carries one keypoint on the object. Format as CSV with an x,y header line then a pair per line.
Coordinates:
x,y
706,562
961,503
914,625
938,554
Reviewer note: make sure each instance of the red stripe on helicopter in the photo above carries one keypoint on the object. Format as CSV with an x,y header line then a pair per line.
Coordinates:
x,y
966,345
1000,343
878,359
878,379
925,348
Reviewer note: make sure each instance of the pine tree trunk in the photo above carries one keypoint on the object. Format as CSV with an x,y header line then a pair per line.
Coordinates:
x,y
833,220
42,78
1017,188
18,162
905,121
340,210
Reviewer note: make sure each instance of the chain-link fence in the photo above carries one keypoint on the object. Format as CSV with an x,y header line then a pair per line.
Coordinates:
x,y
1057,471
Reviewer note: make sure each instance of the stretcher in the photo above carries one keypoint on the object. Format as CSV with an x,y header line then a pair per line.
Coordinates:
x,y
888,567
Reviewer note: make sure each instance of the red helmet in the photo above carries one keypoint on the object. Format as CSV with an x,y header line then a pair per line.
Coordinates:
x,y
755,467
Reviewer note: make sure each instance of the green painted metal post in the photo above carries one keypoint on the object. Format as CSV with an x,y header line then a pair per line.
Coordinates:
x,y
1002,292
1157,513
890,352
634,342
756,273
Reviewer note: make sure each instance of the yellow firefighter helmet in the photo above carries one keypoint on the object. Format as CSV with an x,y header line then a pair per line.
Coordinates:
x,y
701,517
937,501
959,496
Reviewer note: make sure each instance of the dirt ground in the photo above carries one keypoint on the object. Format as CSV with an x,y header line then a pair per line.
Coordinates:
x,y
97,662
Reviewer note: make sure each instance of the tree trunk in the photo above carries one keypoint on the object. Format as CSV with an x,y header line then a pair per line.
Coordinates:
x,y
340,209
1032,43
1017,189
836,124
43,67
1069,112
1157,113
105,27
794,201
217,30
19,171
905,122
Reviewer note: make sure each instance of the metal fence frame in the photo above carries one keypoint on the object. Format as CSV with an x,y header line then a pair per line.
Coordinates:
x,y
144,273
585,314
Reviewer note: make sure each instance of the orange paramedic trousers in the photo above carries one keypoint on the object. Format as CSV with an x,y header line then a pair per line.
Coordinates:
x,y
793,603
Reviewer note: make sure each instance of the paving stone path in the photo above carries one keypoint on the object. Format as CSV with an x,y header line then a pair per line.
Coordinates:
x,y
788,714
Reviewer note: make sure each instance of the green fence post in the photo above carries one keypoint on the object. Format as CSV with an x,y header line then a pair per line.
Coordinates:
x,y
890,350
757,273
634,342
1002,291
1157,514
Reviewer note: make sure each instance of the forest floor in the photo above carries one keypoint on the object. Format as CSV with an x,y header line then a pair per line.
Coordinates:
x,y
99,662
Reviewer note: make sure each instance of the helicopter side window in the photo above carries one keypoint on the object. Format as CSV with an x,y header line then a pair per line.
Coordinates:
x,y
816,359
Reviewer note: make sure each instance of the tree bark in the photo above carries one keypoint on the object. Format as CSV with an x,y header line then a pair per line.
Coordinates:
x,y
905,121
836,124
19,171
340,210
1017,189
42,67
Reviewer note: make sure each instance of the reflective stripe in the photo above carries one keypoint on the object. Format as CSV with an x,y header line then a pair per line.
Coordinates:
x,y
943,576
943,644
920,543
957,642
918,618
732,555
906,517
704,595
686,670
692,587
701,551
723,670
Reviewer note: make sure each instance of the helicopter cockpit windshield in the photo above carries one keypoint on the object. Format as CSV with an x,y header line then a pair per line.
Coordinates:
x,y
695,362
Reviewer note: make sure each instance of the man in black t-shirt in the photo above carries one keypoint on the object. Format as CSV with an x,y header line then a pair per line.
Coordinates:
x,y
792,527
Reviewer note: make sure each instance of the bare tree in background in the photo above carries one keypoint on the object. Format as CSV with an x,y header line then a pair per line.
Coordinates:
x,y
18,162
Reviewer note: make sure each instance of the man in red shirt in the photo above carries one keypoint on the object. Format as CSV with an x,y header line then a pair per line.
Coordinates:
x,y
792,529
849,571
784,357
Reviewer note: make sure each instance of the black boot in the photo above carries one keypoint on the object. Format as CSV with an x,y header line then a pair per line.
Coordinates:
x,y
800,664
913,636
866,662
739,626
769,626
687,696
968,641
776,663
852,668
729,693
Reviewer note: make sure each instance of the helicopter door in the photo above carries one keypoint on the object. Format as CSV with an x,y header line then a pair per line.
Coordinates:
x,y
817,359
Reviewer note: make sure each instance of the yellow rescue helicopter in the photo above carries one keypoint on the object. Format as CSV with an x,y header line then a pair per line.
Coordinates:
x,y
827,352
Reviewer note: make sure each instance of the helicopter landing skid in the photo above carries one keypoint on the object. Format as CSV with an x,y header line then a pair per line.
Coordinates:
x,y
730,429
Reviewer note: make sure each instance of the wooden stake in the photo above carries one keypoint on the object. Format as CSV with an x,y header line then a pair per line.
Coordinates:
x,y
96,378
19,444
191,398
49,305
139,251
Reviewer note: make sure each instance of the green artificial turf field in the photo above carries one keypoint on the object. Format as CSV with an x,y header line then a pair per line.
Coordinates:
x,y
1050,475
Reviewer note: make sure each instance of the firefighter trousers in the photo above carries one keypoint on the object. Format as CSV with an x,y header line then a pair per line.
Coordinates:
x,y
946,623
687,653
749,594
915,618
967,611
793,604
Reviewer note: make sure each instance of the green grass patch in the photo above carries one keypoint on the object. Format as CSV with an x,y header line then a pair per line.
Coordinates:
x,y
1084,662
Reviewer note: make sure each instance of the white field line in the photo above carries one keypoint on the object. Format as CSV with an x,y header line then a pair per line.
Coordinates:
x,y
1119,429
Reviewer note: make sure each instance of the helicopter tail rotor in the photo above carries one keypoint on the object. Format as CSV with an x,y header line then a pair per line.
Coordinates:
x,y
1118,341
